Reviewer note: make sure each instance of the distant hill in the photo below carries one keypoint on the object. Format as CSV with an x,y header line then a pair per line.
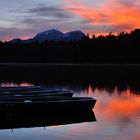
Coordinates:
x,y
53,35
53,46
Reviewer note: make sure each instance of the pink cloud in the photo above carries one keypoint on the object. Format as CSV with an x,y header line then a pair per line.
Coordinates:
x,y
113,13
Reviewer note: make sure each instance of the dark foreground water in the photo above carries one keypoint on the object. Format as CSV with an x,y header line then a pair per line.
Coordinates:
x,y
116,115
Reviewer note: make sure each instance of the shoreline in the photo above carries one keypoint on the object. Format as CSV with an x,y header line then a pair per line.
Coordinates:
x,y
64,64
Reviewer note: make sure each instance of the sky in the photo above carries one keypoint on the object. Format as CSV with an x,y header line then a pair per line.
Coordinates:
x,y
25,18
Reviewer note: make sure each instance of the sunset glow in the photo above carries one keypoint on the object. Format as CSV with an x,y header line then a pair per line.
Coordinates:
x,y
113,13
120,104
94,17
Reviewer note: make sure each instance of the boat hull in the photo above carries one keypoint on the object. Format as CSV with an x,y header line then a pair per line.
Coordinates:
x,y
13,96
49,104
18,88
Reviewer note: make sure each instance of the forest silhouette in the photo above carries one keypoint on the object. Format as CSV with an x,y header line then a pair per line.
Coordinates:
x,y
123,48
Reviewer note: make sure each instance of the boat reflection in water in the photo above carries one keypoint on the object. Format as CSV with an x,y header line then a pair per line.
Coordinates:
x,y
32,108
13,119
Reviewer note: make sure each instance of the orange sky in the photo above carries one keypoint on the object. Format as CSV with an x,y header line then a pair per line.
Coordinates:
x,y
90,16
113,13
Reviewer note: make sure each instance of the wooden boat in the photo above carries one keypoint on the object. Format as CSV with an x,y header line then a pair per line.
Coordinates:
x,y
19,88
49,104
40,93
37,99
34,96
19,92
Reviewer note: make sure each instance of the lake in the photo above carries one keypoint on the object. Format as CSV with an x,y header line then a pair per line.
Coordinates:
x,y
116,114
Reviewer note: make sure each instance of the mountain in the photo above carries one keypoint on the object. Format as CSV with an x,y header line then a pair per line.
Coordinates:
x,y
16,40
53,35
19,41
74,35
56,35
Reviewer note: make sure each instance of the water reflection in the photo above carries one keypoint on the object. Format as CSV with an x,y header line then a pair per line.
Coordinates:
x,y
10,84
117,112
13,119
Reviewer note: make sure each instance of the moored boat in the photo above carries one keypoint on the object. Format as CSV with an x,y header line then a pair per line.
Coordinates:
x,y
49,104
31,99
35,94
19,88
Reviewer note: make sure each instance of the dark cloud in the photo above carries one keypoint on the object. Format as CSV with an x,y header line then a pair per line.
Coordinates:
x,y
127,3
48,11
42,17
30,21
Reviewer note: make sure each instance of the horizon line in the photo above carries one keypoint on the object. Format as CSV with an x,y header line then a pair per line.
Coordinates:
x,y
90,34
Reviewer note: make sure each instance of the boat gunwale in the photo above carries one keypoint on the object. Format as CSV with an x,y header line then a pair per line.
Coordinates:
x,y
51,100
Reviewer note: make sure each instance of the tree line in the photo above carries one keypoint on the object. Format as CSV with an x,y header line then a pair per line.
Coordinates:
x,y
121,48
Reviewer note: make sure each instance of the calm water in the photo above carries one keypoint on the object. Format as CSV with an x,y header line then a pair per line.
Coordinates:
x,y
117,115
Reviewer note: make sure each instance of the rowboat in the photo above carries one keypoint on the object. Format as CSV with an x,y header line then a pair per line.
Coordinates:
x,y
49,104
19,88
35,98
41,90
41,93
